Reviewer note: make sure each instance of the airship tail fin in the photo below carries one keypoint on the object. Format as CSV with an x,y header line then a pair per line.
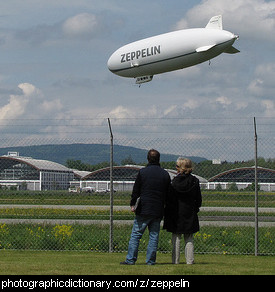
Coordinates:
x,y
231,50
215,22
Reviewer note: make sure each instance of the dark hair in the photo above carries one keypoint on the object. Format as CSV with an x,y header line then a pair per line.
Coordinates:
x,y
153,156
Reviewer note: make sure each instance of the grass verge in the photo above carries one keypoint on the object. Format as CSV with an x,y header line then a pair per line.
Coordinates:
x,y
16,262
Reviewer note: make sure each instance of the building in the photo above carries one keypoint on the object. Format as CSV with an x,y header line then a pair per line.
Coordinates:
x,y
123,178
26,173
243,177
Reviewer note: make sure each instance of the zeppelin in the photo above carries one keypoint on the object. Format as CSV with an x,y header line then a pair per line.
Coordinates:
x,y
172,51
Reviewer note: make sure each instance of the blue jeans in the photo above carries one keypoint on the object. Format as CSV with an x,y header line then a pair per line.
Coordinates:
x,y
140,224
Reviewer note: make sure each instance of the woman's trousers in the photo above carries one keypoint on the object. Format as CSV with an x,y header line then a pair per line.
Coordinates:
x,y
188,251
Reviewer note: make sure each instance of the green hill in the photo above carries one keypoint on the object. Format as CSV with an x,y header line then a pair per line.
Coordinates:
x,y
87,153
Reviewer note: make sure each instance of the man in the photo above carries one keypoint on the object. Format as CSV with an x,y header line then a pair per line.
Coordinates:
x,y
151,186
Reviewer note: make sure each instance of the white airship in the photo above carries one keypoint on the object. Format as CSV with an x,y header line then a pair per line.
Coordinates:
x,y
172,51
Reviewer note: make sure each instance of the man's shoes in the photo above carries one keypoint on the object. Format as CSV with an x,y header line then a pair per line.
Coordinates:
x,y
125,263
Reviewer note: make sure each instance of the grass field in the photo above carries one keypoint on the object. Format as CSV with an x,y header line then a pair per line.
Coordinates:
x,y
95,238
210,198
92,263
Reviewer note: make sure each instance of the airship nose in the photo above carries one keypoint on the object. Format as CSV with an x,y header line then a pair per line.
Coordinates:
x,y
111,63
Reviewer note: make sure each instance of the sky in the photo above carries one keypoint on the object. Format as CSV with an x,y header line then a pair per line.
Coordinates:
x,y
54,53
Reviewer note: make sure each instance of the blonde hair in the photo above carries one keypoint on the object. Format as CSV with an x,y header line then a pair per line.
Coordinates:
x,y
184,165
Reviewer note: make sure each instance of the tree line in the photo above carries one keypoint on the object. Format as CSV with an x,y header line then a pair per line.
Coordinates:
x,y
204,169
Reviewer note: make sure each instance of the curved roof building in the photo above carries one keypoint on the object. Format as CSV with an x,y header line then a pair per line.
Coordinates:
x,y
34,174
246,175
123,178
126,172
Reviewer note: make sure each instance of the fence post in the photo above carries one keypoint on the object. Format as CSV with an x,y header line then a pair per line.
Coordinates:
x,y
111,188
256,188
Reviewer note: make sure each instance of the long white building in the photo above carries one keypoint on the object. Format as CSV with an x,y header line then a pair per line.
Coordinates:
x,y
27,173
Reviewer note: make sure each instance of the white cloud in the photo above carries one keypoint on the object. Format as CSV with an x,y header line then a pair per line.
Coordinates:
x,y
31,104
267,71
29,89
269,108
121,112
224,101
263,82
54,105
171,109
253,19
241,105
191,104
255,87
18,104
80,25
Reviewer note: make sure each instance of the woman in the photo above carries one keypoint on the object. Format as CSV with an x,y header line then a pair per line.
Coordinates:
x,y
182,206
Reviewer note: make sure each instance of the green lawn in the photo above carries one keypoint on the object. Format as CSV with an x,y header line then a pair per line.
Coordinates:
x,y
210,198
16,262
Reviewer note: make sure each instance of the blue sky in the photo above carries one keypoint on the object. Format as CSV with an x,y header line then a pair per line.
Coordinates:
x,y
53,57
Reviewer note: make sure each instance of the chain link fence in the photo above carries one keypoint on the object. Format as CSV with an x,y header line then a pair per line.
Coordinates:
x,y
56,191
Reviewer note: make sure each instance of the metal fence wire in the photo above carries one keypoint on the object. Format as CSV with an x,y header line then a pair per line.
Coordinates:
x,y
74,193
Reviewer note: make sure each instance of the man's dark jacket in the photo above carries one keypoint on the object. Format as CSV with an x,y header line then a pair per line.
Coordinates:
x,y
151,185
